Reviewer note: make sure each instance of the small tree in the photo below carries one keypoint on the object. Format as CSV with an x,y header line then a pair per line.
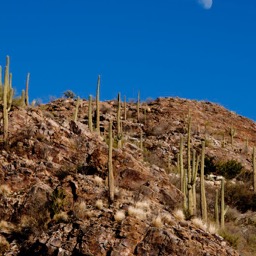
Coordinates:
x,y
69,94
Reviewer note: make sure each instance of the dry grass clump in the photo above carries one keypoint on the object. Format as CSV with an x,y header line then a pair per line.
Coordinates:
x,y
119,216
199,223
60,217
6,227
99,204
27,221
80,210
144,205
4,245
212,228
98,180
168,219
179,214
157,222
137,212
5,190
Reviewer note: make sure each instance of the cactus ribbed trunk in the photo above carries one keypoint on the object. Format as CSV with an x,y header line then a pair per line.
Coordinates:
x,y
125,108
1,81
202,186
119,134
222,206
7,97
90,114
216,211
76,110
189,179
181,167
111,184
26,94
98,106
138,107
141,140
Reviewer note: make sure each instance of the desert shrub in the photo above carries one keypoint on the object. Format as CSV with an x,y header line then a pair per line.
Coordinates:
x,y
57,201
229,169
240,197
69,94
232,238
210,165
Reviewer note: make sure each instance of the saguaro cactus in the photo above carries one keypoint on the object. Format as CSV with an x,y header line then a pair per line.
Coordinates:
x,y
1,81
111,183
202,186
232,133
26,92
138,107
7,99
125,108
98,106
217,209
222,206
119,134
90,113
181,167
76,110
189,178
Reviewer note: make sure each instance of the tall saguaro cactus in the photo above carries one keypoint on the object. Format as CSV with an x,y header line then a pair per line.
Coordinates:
x,y
216,212
7,99
76,110
90,114
98,106
125,109
1,81
189,178
111,183
138,107
181,166
26,92
119,133
222,206
202,186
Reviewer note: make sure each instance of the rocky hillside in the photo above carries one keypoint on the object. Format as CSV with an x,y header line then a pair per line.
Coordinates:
x,y
54,191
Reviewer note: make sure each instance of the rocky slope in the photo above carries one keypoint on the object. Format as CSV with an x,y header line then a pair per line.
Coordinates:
x,y
54,194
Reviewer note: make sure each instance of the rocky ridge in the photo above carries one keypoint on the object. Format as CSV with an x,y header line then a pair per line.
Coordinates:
x,y
54,196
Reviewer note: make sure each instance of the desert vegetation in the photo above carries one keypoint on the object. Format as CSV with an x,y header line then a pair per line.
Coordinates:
x,y
86,171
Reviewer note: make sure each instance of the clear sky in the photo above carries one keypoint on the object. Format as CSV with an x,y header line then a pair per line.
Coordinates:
x,y
196,49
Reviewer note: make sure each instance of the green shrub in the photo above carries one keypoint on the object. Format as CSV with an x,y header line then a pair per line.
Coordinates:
x,y
233,239
69,94
229,169
210,165
240,197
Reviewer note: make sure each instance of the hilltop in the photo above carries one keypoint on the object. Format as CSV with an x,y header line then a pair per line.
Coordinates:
x,y
54,191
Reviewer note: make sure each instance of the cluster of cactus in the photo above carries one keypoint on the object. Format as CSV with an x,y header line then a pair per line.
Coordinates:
x,y
188,183
188,176
223,209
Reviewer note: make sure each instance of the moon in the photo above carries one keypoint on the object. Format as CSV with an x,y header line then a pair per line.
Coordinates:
x,y
206,4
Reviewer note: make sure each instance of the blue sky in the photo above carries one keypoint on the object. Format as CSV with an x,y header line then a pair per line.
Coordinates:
x,y
160,48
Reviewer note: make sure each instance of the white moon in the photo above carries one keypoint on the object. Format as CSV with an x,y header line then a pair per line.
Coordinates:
x,y
206,4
